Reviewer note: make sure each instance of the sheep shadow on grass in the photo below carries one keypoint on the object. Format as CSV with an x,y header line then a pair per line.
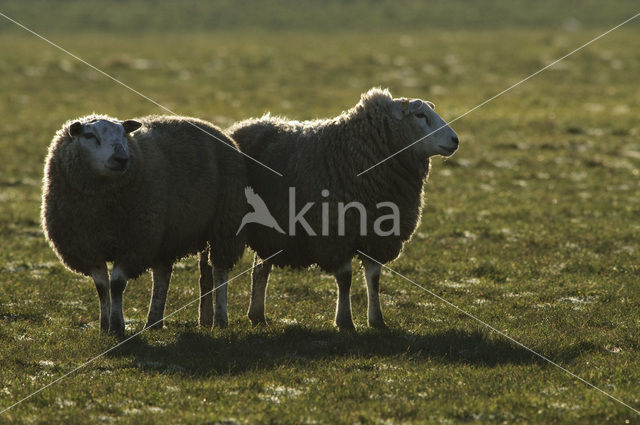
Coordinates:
x,y
198,353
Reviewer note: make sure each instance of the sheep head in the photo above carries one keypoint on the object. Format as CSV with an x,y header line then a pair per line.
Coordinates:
x,y
105,143
419,123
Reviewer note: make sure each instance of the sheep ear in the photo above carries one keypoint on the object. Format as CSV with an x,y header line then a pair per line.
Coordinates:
x,y
400,108
415,105
431,105
131,125
403,107
76,129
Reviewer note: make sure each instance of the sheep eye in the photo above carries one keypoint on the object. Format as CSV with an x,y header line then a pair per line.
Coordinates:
x,y
91,136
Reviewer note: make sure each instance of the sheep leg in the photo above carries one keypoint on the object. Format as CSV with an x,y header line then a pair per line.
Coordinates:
x,y
100,277
374,312
161,279
259,281
343,307
118,284
220,278
206,291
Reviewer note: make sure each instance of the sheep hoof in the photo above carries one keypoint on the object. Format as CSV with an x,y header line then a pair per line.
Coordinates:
x,y
258,322
346,326
116,326
154,325
378,324
117,330
257,319
220,323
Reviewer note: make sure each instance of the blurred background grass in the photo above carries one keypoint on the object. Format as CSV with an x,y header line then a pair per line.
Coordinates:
x,y
369,16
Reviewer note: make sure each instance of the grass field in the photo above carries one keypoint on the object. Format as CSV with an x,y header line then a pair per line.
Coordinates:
x,y
533,226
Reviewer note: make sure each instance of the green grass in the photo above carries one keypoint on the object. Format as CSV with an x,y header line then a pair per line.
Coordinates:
x,y
532,227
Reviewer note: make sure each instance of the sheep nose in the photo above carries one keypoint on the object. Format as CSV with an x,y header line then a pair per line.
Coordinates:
x,y
455,140
120,155
121,160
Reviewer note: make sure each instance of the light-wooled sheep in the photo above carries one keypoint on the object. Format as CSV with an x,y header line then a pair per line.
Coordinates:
x,y
322,194
141,194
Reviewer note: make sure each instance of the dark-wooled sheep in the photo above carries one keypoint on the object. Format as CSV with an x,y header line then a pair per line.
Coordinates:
x,y
329,209
141,194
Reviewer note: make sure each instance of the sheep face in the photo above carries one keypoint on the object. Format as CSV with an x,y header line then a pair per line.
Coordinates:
x,y
105,144
420,122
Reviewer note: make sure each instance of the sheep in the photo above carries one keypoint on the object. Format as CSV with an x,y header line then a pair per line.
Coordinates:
x,y
321,160
141,194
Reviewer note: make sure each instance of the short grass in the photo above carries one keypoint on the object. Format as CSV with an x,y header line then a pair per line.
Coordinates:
x,y
532,227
